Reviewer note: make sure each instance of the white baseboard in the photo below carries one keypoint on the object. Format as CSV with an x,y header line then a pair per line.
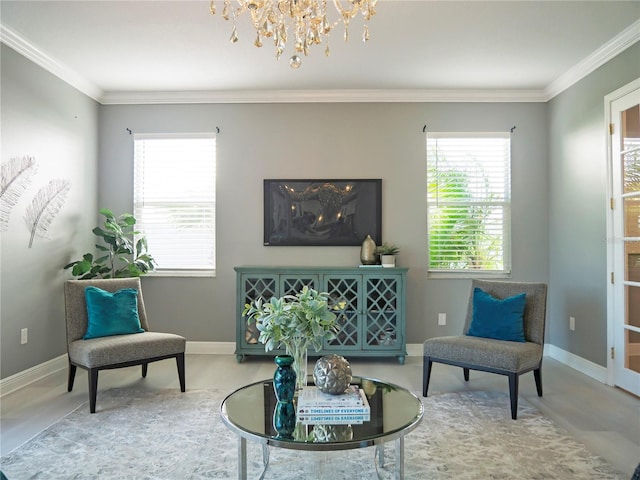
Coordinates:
x,y
415,350
580,364
33,374
26,377
229,348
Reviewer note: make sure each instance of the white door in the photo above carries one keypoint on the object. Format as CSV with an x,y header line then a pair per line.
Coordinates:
x,y
624,321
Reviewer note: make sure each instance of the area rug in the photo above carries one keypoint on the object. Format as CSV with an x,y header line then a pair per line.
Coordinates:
x,y
169,435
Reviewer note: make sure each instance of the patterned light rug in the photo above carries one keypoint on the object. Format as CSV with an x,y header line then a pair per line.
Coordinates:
x,y
171,435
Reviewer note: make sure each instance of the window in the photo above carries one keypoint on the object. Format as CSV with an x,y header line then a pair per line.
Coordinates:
x,y
174,200
468,202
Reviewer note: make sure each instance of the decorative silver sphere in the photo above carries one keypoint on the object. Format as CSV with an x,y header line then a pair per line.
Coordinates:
x,y
332,374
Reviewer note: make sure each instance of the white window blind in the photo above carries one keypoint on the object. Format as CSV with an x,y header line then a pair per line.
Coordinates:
x,y
468,202
174,200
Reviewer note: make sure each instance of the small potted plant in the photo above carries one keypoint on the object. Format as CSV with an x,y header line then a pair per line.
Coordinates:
x,y
294,322
388,252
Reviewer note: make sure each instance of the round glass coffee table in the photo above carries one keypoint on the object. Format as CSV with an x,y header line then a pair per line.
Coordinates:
x,y
395,411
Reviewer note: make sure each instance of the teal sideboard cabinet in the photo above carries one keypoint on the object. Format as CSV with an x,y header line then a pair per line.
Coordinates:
x,y
372,303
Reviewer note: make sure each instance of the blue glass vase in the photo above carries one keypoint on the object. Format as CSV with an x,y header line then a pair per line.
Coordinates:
x,y
284,379
284,419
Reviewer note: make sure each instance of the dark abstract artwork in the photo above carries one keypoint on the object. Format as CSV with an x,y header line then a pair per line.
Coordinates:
x,y
321,212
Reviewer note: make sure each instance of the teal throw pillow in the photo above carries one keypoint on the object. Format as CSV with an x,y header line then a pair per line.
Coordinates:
x,y
111,313
496,318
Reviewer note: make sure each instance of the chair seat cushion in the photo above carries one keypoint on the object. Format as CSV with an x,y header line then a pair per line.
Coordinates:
x,y
103,351
485,352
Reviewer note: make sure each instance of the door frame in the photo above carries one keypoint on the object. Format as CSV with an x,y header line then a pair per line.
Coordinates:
x,y
611,306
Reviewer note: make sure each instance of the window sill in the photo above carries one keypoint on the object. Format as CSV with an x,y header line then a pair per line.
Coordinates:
x,y
182,273
467,275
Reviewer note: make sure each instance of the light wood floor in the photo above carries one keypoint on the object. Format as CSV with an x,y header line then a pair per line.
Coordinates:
x,y
605,419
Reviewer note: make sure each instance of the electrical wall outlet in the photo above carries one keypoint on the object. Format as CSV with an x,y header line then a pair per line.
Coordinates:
x,y
24,336
572,323
442,319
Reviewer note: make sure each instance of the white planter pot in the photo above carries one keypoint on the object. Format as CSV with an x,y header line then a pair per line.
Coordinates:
x,y
388,261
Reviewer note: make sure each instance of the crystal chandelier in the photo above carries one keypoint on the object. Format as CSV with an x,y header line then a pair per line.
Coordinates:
x,y
307,19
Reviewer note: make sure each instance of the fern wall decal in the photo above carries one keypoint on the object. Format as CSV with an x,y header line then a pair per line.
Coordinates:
x,y
45,206
16,176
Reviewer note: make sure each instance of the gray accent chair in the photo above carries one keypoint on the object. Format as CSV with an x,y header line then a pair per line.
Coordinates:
x,y
496,356
115,351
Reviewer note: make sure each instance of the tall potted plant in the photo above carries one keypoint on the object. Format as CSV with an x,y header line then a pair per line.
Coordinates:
x,y
124,255
294,322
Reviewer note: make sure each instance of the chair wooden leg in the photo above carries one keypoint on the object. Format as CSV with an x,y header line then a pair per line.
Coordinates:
x,y
72,377
144,370
537,374
426,374
93,389
513,394
466,374
181,373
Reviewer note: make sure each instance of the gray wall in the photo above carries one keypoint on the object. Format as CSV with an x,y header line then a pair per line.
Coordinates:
x,y
577,220
324,141
559,199
43,117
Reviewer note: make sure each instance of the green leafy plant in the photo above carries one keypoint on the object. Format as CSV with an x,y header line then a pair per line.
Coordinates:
x,y
125,251
387,249
293,321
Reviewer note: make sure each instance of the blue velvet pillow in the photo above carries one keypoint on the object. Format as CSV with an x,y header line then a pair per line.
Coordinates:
x,y
496,318
111,313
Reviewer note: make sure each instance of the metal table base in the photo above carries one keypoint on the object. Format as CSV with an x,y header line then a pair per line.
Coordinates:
x,y
379,452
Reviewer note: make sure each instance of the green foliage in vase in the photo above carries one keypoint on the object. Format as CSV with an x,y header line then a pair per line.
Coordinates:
x,y
125,251
291,320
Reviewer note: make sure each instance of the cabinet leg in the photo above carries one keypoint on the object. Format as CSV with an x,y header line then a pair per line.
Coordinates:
x,y
239,357
401,359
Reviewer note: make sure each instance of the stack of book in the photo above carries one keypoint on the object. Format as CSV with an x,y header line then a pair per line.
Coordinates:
x,y
316,407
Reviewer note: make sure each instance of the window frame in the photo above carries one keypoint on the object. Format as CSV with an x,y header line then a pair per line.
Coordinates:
x,y
504,203
209,270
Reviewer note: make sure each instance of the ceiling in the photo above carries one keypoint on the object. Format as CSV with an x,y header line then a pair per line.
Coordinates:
x,y
514,49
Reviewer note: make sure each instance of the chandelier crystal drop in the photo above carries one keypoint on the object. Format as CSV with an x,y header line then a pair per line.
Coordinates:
x,y
306,20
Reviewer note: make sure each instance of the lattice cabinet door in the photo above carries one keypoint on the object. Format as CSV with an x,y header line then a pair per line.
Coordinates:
x,y
383,324
253,287
345,294
291,284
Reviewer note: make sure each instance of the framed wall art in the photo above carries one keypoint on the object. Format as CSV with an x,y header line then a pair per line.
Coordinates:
x,y
315,212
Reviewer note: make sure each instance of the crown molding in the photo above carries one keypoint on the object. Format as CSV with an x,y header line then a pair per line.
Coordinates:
x,y
13,40
323,96
606,52
625,39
